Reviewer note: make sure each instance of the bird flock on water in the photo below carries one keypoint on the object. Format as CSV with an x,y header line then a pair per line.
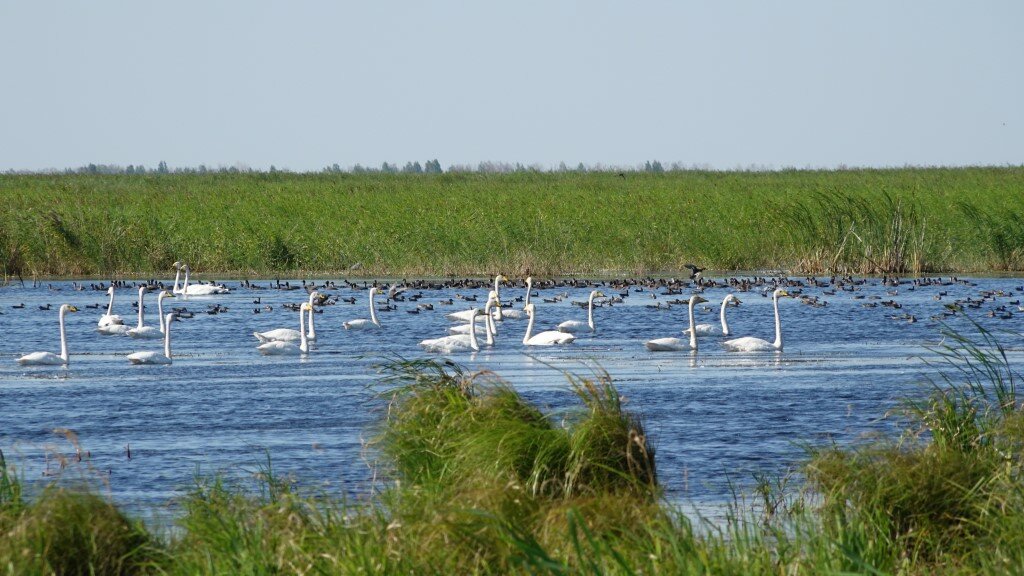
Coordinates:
x,y
468,327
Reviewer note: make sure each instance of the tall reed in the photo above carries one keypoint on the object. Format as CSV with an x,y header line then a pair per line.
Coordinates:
x,y
896,221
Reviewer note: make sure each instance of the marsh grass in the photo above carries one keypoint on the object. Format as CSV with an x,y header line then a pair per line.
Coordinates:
x,y
476,480
68,531
949,485
458,430
1001,230
896,220
849,234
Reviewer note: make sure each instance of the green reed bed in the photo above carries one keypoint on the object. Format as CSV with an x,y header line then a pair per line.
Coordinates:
x,y
473,479
893,220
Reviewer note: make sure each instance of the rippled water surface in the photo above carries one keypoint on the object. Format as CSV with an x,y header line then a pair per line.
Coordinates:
x,y
714,417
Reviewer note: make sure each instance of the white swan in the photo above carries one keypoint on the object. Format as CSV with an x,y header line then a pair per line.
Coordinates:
x,y
513,314
111,324
711,329
464,316
151,357
498,313
177,276
464,328
109,318
579,325
489,324
311,333
488,329
458,342
200,289
49,358
142,331
363,323
280,348
678,344
290,334
546,338
750,344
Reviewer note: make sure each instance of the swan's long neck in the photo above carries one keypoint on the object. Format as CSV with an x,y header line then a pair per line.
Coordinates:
x,y
63,337
590,312
498,313
778,324
142,294
472,333
529,330
489,323
167,336
529,288
160,310
110,305
693,332
176,290
373,311
312,326
184,288
497,288
725,325
303,340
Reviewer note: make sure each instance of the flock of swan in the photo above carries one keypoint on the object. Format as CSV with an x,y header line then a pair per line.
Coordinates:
x,y
462,336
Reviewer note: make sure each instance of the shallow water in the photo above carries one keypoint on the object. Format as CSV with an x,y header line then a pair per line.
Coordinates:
x,y
715,418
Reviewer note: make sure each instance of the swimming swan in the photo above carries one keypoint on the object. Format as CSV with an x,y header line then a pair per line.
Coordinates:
x,y
109,318
49,358
513,314
455,343
711,329
489,327
290,334
546,338
579,325
199,289
151,357
111,324
465,316
280,348
464,328
363,323
142,331
750,344
177,277
678,344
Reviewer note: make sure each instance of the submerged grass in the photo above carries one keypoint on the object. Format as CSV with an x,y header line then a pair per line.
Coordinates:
x,y
480,481
894,220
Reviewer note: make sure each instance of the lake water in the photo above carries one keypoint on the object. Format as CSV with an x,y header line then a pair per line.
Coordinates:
x,y
714,417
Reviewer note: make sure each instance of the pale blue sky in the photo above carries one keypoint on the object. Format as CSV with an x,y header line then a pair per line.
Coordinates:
x,y
306,84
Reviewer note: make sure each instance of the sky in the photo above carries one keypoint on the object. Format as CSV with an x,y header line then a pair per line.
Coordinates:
x,y
306,84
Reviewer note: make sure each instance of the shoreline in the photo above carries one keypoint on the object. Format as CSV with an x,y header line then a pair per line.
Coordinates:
x,y
664,275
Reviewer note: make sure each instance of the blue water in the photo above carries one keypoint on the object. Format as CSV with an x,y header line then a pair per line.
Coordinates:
x,y
714,417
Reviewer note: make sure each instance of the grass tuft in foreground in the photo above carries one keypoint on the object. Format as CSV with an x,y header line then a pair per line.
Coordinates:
x,y
67,531
946,490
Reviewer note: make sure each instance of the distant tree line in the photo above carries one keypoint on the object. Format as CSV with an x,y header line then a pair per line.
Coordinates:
x,y
428,167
